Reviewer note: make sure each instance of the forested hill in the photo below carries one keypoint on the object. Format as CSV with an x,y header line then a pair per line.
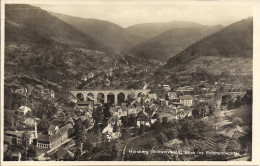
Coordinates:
x,y
150,30
236,40
108,33
223,56
27,23
172,42
41,47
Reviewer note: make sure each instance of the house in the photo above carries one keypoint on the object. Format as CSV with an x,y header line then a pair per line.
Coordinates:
x,y
164,102
109,73
166,87
138,99
109,134
172,95
30,122
52,94
8,140
17,137
107,82
146,100
114,110
139,109
185,89
49,92
39,86
122,111
113,120
53,129
167,109
131,109
142,119
149,112
24,109
154,107
55,136
72,99
154,118
91,75
20,90
84,78
186,100
152,96
85,105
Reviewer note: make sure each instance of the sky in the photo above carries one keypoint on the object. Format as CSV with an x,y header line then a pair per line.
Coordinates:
x,y
127,14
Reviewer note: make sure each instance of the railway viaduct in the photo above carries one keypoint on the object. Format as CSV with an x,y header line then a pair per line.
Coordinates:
x,y
95,94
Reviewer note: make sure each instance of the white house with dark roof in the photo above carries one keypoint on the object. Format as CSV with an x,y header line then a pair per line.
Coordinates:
x,y
142,119
186,100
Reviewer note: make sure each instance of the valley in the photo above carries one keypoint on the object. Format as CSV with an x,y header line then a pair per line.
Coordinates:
x,y
85,89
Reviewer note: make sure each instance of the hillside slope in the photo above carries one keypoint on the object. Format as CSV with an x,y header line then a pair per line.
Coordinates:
x,y
34,51
109,34
171,42
226,55
32,22
150,30
236,40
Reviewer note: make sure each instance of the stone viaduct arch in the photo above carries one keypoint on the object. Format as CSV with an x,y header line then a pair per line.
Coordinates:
x,y
96,93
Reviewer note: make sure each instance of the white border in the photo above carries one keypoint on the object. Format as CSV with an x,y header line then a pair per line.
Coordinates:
x,y
256,62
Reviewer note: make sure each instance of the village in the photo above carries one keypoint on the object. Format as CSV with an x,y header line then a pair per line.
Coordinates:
x,y
73,131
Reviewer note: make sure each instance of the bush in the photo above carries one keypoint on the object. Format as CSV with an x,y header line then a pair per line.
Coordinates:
x,y
171,134
237,121
162,138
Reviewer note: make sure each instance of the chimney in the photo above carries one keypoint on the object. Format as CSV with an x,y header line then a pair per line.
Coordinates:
x,y
35,128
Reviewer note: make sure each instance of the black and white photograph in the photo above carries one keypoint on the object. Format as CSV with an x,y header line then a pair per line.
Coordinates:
x,y
129,81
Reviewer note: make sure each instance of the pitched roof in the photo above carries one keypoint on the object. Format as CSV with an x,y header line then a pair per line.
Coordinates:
x,y
138,104
153,95
123,104
142,117
124,108
52,127
139,109
54,137
186,97
113,118
66,128
8,139
24,108
16,133
84,102
113,109
167,109
154,107
108,129
43,137
29,121
131,107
